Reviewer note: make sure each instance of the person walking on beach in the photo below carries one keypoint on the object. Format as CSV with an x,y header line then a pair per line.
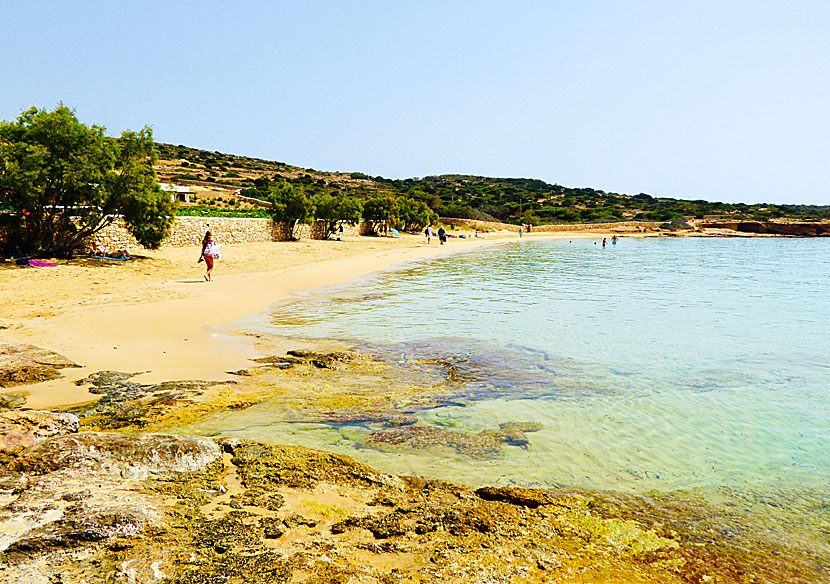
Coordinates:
x,y
210,252
521,230
428,233
442,235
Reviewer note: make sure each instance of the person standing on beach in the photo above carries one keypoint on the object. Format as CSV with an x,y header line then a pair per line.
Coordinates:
x,y
428,233
210,251
521,230
442,235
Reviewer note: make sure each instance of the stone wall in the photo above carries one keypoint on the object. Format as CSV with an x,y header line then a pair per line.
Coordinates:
x,y
189,231
494,226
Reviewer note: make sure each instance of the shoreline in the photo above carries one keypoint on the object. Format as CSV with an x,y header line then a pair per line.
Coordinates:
x,y
161,323
155,315
164,328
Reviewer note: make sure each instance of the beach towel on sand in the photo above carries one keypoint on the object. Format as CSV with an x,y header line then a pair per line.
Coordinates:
x,y
97,257
40,264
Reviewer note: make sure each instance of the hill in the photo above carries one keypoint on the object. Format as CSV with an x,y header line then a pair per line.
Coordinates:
x,y
219,177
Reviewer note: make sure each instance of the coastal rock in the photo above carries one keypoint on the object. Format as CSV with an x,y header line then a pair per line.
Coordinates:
x,y
21,364
427,437
531,498
20,429
130,456
484,444
264,467
340,521
323,360
125,403
72,490
11,401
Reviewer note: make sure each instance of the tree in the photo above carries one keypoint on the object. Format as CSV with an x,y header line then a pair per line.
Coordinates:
x,y
290,205
336,209
62,181
414,215
379,211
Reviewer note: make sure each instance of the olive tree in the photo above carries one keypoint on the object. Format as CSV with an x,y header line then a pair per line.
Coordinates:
x,y
336,209
378,211
414,215
62,181
290,205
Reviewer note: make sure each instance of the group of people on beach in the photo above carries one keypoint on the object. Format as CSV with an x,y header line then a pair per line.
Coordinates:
x,y
442,234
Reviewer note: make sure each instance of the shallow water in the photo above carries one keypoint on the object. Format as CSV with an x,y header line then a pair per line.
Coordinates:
x,y
654,365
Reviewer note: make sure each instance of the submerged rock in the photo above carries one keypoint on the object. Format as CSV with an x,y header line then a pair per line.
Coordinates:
x,y
21,364
323,360
484,444
125,403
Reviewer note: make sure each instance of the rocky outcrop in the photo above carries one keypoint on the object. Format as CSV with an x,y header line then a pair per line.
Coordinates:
x,y
279,514
131,456
70,491
19,429
20,364
801,229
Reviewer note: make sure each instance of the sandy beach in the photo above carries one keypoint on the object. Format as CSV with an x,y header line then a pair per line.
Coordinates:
x,y
152,314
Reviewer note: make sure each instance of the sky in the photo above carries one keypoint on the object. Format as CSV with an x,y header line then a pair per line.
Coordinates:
x,y
717,100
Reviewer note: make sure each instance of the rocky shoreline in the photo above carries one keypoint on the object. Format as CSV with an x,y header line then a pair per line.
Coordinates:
x,y
105,493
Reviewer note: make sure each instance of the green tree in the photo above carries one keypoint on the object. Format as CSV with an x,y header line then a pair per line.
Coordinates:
x,y
62,181
290,205
414,215
336,209
378,211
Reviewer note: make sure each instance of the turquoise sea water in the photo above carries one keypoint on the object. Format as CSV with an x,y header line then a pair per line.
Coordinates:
x,y
654,366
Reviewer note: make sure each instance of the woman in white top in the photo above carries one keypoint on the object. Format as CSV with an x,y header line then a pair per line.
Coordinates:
x,y
210,251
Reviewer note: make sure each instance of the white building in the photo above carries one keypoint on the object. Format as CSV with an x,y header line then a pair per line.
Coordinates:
x,y
177,192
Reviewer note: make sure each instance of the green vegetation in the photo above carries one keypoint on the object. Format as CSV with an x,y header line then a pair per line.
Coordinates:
x,y
509,200
335,210
209,212
61,181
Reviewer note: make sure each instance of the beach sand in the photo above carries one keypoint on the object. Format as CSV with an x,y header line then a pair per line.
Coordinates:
x,y
153,314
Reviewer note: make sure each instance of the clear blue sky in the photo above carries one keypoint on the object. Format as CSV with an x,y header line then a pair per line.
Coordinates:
x,y
720,100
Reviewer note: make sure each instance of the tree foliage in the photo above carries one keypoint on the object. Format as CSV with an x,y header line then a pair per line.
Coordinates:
x,y
62,181
336,209
290,204
414,215
379,211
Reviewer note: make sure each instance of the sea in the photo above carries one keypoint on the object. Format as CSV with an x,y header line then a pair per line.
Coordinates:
x,y
694,368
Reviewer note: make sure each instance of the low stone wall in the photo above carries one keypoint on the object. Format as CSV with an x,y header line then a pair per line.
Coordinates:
x,y
494,226
189,231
